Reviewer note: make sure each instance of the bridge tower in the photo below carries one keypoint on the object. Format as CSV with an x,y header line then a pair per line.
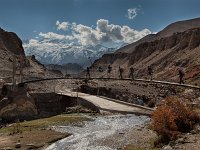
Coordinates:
x,y
17,69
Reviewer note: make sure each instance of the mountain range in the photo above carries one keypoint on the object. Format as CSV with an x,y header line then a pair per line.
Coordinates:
x,y
62,53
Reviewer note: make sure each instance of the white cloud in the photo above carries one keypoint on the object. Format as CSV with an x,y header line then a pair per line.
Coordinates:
x,y
51,35
132,13
102,25
62,25
103,33
85,35
131,35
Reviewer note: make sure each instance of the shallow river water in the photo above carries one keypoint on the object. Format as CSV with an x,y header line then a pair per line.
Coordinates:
x,y
86,137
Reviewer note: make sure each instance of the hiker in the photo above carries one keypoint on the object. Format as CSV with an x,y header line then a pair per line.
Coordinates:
x,y
120,72
88,72
150,72
109,71
181,75
131,71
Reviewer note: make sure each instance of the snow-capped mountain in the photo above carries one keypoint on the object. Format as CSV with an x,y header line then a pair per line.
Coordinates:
x,y
58,52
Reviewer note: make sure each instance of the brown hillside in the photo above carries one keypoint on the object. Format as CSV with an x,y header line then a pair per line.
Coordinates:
x,y
179,26
176,27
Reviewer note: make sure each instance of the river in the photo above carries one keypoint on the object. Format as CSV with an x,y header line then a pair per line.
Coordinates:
x,y
87,136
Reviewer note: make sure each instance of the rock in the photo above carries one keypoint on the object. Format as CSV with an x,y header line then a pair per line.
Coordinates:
x,y
139,129
18,145
195,131
18,106
180,140
121,133
7,148
177,147
76,109
172,143
31,146
151,103
188,91
139,102
168,147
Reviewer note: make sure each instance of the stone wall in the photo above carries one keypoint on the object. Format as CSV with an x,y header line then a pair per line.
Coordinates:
x,y
49,104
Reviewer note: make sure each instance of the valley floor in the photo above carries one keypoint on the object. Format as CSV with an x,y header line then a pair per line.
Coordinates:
x,y
38,134
35,134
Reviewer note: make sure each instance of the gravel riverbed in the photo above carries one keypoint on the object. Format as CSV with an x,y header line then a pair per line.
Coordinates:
x,y
103,133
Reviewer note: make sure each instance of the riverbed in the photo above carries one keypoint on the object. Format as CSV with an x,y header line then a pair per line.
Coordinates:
x,y
96,134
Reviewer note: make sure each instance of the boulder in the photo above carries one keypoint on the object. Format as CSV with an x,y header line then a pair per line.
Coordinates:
x,y
18,145
17,106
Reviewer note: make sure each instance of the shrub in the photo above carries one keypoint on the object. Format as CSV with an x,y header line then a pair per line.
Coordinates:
x,y
173,117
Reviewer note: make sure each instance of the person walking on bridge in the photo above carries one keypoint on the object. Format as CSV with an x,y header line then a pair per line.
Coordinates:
x,y
88,72
150,72
121,70
109,71
131,73
181,75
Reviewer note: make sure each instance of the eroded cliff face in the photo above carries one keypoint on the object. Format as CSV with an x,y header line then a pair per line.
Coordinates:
x,y
10,45
165,55
189,39
11,42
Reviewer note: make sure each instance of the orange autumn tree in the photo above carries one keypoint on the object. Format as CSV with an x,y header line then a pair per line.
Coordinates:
x,y
172,117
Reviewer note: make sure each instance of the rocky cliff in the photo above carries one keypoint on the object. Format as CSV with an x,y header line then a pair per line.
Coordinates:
x,y
165,54
10,45
15,103
11,42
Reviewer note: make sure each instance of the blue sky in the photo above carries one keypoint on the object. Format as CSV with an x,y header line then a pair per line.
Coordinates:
x,y
30,17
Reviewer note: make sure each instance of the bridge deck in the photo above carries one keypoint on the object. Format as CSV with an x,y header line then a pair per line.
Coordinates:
x,y
125,79
104,104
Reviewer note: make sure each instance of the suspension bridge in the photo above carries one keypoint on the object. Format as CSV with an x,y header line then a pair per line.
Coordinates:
x,y
114,79
107,104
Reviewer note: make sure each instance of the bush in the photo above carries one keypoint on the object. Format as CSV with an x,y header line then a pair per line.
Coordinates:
x,y
173,117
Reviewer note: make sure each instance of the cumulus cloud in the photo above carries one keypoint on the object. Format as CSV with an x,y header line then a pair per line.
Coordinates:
x,y
117,33
85,35
102,33
131,35
51,35
132,13
62,25
102,25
